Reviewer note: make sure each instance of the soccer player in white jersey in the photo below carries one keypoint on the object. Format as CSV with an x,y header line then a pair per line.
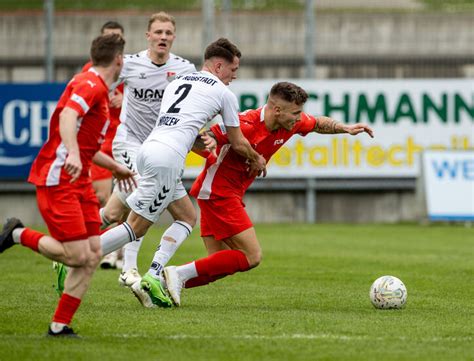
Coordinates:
x,y
145,75
188,104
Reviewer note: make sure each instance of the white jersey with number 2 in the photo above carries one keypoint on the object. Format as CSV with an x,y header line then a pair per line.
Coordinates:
x,y
189,102
145,83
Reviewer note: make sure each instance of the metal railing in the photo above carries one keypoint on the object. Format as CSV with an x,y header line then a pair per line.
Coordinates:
x,y
329,67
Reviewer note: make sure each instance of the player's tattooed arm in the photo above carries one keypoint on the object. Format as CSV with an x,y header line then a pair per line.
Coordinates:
x,y
326,125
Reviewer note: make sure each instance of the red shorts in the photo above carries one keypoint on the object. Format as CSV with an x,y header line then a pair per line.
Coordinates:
x,y
223,217
70,211
97,172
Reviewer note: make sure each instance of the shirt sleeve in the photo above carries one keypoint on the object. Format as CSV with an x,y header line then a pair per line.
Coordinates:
x,y
86,67
191,68
306,124
83,96
230,109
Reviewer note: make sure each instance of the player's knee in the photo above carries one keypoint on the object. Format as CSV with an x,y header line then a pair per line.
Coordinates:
x,y
254,258
94,259
79,259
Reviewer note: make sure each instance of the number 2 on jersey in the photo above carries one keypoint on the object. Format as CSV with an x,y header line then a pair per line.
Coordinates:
x,y
173,108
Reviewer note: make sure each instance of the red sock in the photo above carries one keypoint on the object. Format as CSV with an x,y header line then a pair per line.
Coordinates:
x,y
30,238
200,281
66,309
218,265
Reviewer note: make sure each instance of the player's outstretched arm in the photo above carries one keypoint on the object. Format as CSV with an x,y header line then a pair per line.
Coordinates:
x,y
326,125
354,129
68,132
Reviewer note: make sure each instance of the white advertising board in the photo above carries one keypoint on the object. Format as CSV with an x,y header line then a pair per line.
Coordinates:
x,y
449,185
408,116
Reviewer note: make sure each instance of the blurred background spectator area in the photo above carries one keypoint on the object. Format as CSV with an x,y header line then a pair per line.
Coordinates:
x,y
279,39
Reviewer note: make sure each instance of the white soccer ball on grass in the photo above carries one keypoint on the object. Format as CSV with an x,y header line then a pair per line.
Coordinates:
x,y
388,292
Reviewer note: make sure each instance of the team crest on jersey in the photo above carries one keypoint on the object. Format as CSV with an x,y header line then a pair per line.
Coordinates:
x,y
142,76
170,76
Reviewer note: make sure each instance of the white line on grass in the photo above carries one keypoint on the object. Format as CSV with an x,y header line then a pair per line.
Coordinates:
x,y
321,336
297,336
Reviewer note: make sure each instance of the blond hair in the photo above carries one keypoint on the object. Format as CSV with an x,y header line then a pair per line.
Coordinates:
x,y
162,17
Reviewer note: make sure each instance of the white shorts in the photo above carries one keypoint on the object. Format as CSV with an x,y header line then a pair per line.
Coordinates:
x,y
161,169
125,150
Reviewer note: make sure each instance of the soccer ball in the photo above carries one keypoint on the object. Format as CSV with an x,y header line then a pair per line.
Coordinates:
x,y
388,292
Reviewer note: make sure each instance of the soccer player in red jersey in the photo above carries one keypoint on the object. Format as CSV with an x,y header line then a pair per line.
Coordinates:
x,y
226,229
102,177
60,172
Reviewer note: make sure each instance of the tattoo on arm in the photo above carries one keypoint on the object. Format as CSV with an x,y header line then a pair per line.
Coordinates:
x,y
326,125
199,144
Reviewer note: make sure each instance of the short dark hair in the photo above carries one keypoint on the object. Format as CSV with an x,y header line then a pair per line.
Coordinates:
x,y
112,25
222,48
105,48
289,92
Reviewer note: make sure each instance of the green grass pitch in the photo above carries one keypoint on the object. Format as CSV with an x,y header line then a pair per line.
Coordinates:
x,y
308,300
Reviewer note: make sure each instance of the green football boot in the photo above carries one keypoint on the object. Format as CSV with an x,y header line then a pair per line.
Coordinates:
x,y
155,290
61,273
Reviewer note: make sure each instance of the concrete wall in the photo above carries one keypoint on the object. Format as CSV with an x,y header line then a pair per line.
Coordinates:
x,y
257,34
278,207
338,207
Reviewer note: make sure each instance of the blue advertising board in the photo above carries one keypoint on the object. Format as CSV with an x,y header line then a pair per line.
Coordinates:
x,y
449,184
25,111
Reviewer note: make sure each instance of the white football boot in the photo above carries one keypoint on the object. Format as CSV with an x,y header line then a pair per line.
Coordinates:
x,y
142,295
174,284
128,278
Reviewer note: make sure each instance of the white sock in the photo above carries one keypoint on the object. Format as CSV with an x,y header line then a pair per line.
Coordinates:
x,y
173,237
57,326
116,238
187,271
105,221
130,254
16,234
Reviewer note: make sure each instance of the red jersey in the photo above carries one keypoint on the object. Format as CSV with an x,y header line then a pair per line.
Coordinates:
x,y
227,176
114,117
87,94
